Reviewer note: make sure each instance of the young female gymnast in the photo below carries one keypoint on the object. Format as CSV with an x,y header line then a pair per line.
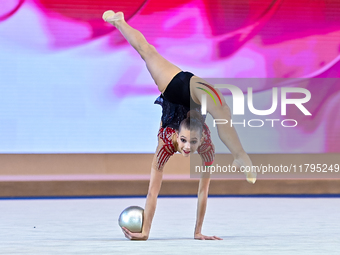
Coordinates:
x,y
179,92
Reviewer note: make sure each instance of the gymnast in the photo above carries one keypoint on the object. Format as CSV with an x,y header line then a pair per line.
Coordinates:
x,y
182,130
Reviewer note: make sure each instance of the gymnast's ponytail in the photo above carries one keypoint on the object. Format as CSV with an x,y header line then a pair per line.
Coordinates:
x,y
194,121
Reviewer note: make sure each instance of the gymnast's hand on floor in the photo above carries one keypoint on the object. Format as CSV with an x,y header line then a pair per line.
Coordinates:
x,y
203,237
134,236
244,164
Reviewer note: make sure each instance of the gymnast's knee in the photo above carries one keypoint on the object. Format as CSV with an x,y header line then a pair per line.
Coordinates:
x,y
147,51
224,110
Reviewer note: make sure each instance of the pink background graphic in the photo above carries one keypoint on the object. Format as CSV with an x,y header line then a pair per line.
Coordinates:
x,y
71,83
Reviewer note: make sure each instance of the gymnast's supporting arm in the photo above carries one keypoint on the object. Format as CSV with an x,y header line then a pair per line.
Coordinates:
x,y
202,196
151,200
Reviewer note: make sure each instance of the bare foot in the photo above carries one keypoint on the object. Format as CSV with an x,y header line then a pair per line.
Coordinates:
x,y
113,17
246,164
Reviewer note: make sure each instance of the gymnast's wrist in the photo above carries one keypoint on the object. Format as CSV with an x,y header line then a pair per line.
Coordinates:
x,y
197,233
145,235
145,231
198,230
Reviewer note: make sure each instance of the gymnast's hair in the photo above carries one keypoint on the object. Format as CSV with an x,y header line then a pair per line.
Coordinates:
x,y
194,121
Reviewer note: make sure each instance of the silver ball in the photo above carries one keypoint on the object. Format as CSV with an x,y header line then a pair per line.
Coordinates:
x,y
132,219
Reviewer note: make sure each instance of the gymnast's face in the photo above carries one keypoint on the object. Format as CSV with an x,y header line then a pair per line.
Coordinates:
x,y
188,141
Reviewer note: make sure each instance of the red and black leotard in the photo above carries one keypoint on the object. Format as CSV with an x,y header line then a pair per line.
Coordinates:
x,y
205,150
174,110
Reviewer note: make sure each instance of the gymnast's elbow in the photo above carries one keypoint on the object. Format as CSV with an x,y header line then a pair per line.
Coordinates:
x,y
152,194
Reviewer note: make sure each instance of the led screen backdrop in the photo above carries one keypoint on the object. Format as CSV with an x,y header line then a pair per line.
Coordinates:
x,y
70,83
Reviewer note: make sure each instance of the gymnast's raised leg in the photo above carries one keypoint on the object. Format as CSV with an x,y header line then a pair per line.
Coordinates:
x,y
161,70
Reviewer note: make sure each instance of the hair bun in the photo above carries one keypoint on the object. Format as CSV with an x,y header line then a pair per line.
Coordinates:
x,y
193,114
193,121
